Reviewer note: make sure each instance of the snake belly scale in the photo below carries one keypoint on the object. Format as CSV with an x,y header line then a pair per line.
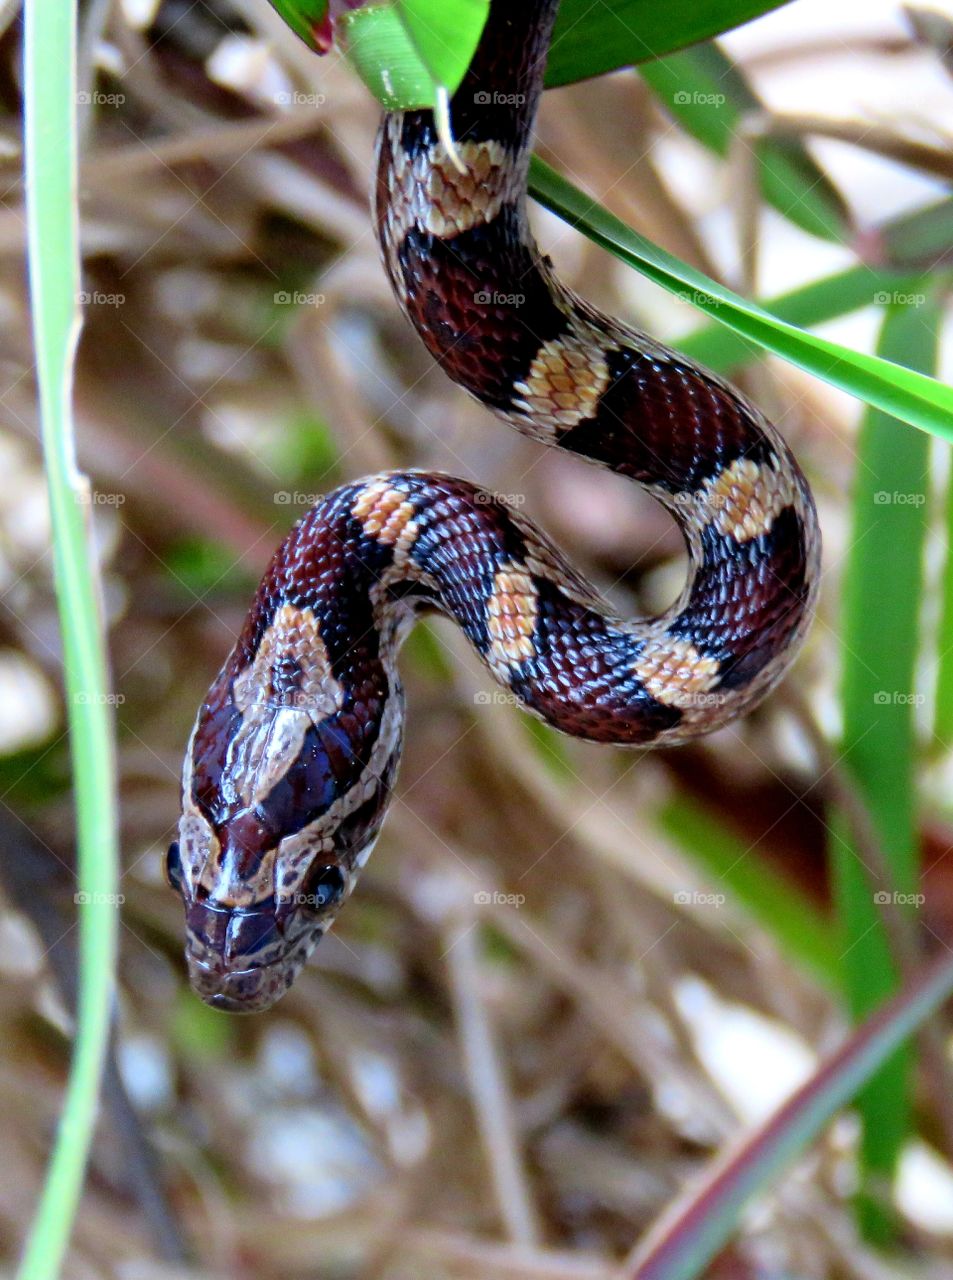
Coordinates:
x,y
295,750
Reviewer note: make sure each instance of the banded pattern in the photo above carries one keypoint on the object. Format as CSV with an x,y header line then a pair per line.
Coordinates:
x,y
294,753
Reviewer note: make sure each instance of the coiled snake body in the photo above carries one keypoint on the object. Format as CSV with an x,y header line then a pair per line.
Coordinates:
x,y
294,752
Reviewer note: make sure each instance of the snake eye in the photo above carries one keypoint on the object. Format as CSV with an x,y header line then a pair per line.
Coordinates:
x,y
173,866
323,887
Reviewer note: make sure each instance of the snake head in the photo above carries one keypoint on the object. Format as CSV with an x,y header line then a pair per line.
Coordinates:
x,y
244,951
280,809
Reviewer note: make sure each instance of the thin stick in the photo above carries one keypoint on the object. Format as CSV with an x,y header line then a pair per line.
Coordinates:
x,y
488,1087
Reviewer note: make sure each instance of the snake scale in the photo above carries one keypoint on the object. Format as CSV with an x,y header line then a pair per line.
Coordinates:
x,y
294,753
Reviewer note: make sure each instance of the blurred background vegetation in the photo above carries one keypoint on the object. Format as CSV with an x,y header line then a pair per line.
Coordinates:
x,y
571,974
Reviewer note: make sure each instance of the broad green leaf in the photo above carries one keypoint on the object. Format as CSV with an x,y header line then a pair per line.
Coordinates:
x,y
403,51
710,98
880,638
911,396
591,39
408,51
694,1230
382,53
445,34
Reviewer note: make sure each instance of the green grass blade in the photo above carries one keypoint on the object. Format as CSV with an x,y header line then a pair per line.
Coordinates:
x,y
689,1237
880,635
943,700
799,927
710,97
846,291
591,39
49,98
906,394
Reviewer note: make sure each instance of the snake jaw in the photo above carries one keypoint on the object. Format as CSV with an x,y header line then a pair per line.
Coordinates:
x,y
251,990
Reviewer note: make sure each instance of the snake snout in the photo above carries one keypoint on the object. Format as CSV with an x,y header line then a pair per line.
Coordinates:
x,y
239,990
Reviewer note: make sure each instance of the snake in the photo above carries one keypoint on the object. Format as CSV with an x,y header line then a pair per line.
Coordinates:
x,y
293,757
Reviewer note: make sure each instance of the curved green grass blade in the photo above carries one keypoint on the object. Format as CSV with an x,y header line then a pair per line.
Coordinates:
x,y
850,290
49,98
591,39
943,699
710,97
799,927
694,1231
906,394
880,631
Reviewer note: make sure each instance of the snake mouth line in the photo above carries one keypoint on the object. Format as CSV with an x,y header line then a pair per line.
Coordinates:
x,y
249,990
